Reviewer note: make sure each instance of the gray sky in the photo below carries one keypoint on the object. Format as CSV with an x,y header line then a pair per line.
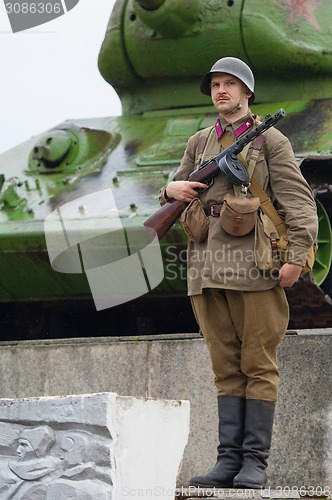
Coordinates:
x,y
49,73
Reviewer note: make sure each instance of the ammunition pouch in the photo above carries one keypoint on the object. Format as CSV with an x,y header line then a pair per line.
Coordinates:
x,y
195,222
238,214
266,252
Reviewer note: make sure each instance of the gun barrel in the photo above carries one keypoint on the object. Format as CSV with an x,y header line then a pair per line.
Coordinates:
x,y
269,121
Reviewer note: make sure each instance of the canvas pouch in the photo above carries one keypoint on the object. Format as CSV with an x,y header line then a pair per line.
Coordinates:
x,y
283,245
271,250
266,252
238,214
195,221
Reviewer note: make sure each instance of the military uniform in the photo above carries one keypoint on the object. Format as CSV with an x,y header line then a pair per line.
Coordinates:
x,y
241,310
250,312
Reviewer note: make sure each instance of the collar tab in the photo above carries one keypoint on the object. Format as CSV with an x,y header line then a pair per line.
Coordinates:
x,y
239,131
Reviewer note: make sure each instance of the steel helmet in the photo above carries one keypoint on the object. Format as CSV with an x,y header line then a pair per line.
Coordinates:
x,y
234,67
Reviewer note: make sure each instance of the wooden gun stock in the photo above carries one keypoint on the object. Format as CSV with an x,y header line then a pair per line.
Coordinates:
x,y
162,220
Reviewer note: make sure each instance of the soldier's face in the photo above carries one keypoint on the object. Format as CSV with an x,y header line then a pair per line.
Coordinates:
x,y
25,450
227,92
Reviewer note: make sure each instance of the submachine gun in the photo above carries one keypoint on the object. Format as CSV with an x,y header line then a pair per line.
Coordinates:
x,y
225,162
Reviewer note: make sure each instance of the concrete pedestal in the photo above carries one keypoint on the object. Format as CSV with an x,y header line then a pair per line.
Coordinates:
x,y
177,367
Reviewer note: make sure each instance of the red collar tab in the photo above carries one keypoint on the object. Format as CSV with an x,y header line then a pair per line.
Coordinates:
x,y
218,129
239,131
245,126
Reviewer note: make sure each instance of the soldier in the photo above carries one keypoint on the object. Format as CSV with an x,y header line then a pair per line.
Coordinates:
x,y
242,311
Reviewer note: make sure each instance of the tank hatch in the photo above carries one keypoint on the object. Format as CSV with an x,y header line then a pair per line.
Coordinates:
x,y
168,151
71,149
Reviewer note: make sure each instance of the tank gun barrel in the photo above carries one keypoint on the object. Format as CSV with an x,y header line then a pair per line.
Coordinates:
x,y
169,18
150,4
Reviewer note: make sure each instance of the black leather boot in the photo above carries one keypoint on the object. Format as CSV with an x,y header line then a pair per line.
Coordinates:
x,y
256,444
229,461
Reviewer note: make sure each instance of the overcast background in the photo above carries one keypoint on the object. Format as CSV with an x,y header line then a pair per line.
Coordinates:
x,y
50,74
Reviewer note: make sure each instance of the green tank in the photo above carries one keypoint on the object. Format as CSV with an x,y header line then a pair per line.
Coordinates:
x,y
154,54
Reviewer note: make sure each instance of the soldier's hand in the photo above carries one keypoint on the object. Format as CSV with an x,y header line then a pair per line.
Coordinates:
x,y
183,190
289,274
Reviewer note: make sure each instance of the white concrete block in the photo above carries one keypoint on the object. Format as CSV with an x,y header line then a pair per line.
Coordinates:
x,y
91,446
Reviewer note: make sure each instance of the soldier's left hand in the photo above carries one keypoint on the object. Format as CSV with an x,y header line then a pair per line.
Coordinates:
x,y
289,274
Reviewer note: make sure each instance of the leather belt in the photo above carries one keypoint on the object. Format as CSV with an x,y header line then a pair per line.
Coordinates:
x,y
213,210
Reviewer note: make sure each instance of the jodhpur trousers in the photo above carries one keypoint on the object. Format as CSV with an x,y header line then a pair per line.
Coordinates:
x,y
242,331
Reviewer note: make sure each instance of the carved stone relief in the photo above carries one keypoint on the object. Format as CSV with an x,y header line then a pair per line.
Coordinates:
x,y
98,446
41,462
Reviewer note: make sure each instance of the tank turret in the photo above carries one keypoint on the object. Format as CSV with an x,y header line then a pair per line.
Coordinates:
x,y
154,55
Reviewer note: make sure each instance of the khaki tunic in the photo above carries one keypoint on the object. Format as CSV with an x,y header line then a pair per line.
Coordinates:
x,y
225,261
